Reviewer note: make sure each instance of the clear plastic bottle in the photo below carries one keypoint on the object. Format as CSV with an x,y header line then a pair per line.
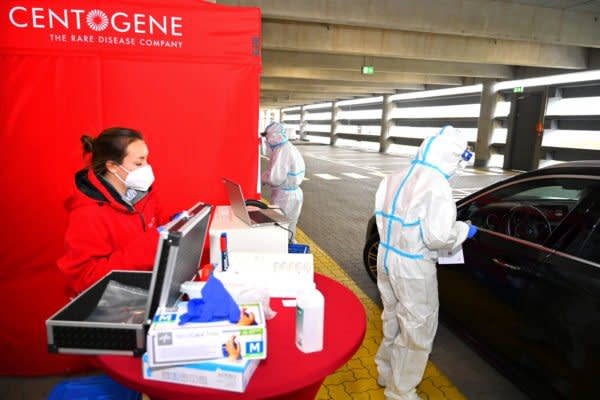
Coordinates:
x,y
310,319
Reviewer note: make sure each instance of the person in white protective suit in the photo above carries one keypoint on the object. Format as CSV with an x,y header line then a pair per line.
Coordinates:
x,y
416,217
284,174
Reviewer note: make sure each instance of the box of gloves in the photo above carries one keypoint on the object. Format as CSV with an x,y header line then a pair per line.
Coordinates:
x,y
184,336
223,374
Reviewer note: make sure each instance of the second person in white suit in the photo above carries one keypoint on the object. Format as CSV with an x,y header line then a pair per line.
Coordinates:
x,y
285,173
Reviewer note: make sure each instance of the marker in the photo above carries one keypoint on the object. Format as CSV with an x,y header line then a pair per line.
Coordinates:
x,y
224,258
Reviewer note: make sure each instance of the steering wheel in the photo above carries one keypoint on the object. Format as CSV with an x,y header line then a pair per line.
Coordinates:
x,y
529,223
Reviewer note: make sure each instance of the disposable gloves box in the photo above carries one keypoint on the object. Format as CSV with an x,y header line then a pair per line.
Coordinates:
x,y
169,343
223,374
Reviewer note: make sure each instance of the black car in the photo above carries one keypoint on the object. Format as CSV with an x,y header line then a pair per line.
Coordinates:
x,y
528,293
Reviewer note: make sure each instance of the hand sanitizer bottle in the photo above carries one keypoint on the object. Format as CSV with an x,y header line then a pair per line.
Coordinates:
x,y
310,318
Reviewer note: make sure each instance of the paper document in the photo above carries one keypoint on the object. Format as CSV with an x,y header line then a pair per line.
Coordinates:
x,y
454,256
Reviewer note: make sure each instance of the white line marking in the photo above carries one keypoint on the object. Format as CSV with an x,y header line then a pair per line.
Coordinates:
x,y
327,177
354,175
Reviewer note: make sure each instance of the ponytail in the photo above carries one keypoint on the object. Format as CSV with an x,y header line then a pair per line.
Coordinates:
x,y
88,144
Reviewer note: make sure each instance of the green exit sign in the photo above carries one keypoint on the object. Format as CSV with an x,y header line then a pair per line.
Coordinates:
x,y
368,70
518,89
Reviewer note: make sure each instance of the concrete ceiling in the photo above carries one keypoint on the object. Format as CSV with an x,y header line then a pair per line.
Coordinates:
x,y
313,50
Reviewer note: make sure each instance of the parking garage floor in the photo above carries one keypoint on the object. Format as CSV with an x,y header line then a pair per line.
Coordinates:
x,y
339,195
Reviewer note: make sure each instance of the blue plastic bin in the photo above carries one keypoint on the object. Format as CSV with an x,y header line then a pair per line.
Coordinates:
x,y
99,387
298,248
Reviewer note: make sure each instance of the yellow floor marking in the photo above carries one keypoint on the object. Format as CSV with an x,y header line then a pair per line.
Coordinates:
x,y
357,379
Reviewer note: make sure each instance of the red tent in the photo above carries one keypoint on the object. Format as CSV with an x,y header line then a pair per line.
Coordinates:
x,y
184,72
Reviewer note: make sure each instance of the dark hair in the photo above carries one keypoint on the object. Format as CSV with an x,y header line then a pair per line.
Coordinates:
x,y
110,145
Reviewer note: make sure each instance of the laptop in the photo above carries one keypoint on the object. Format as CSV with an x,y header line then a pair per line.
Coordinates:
x,y
251,218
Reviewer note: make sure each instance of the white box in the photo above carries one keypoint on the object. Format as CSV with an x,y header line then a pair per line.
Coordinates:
x,y
169,343
282,274
223,374
241,237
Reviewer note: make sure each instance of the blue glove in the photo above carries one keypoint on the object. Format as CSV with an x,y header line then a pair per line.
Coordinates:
x,y
216,304
472,231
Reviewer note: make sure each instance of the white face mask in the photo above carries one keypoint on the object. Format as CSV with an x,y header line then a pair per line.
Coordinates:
x,y
138,179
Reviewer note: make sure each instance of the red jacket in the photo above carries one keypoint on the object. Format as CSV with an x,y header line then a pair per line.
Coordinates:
x,y
104,233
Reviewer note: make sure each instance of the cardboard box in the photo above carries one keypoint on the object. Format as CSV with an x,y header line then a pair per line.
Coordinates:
x,y
169,343
222,374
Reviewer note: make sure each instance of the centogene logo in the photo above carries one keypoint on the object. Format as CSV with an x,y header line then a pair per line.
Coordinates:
x,y
97,20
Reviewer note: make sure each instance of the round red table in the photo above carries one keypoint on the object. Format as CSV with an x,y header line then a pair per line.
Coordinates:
x,y
287,373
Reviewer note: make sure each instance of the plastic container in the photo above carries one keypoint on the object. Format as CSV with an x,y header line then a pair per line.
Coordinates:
x,y
298,248
99,387
310,320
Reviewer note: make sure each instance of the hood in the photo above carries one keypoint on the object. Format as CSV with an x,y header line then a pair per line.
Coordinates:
x,y
90,189
443,151
275,134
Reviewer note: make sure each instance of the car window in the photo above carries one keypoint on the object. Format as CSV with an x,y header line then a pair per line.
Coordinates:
x,y
591,246
579,234
530,209
542,190
549,192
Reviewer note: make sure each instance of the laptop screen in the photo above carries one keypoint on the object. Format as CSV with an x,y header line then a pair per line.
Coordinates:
x,y
236,198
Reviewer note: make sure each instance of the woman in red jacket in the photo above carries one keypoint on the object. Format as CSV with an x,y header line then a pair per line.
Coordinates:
x,y
113,211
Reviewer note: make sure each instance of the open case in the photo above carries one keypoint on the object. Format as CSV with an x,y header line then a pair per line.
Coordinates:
x,y
178,256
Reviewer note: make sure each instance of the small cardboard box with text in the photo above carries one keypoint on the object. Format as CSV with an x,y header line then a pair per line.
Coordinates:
x,y
169,343
222,374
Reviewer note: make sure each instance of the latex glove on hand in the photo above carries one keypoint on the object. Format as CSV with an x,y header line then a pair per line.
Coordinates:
x,y
472,231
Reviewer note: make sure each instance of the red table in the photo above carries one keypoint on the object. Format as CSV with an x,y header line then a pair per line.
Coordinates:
x,y
287,373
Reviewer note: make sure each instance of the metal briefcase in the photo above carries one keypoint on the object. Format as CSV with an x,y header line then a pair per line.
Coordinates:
x,y
178,255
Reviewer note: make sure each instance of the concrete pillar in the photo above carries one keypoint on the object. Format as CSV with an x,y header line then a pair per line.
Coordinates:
x,y
335,111
386,123
594,58
303,123
486,124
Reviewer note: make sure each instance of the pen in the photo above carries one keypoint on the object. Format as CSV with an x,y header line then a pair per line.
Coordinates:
x,y
224,258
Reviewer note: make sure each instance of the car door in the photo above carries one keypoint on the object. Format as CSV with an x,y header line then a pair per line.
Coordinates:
x,y
487,295
561,320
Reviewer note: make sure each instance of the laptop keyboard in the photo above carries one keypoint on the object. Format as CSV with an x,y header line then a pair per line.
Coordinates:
x,y
259,217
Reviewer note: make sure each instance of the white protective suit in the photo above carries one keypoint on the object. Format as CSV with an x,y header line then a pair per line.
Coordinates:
x,y
416,216
284,174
